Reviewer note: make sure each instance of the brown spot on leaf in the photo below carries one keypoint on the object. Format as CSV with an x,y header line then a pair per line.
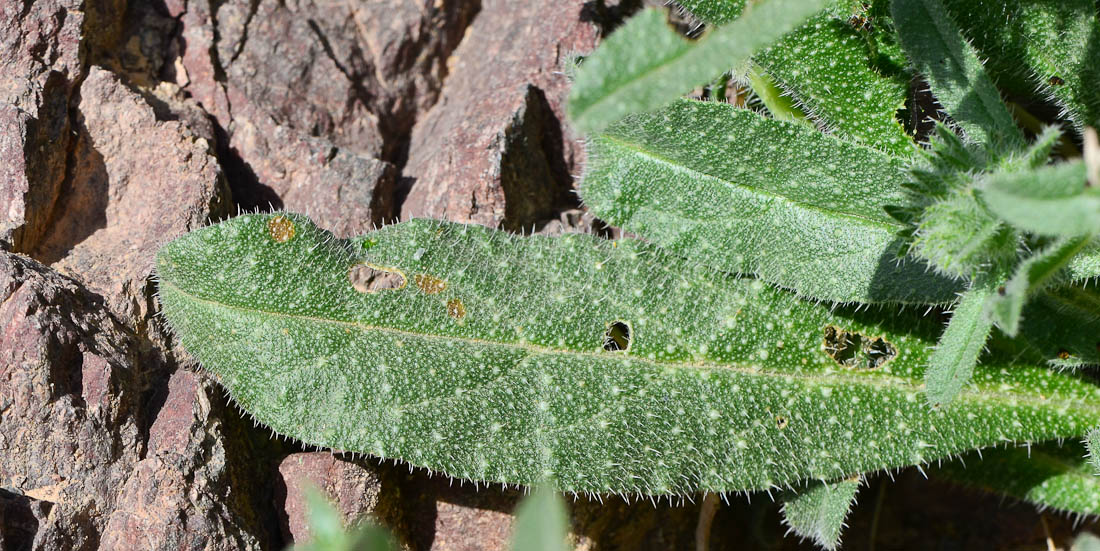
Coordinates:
x,y
430,285
281,229
368,278
781,422
851,349
1056,80
456,309
1063,354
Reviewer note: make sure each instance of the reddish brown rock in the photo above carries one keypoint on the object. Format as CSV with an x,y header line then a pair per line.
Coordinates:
x,y
135,183
353,487
39,63
69,427
179,495
493,150
343,192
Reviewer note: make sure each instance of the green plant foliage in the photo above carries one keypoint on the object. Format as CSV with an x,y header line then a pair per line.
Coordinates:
x,y
327,531
1052,200
939,52
1085,541
541,522
779,103
817,511
951,366
1047,474
1031,275
1039,46
744,193
487,357
1092,447
646,64
826,65
1063,324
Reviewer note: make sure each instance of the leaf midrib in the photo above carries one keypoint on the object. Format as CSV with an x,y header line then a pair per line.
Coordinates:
x,y
880,381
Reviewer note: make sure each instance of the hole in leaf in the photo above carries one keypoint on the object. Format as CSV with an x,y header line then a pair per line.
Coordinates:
x,y
851,349
781,422
430,285
1056,80
368,278
617,337
281,229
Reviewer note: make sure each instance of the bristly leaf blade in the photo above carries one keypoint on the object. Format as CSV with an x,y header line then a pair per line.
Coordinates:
x,y
951,366
817,511
1063,325
485,356
1051,200
1049,475
1032,275
743,193
1092,447
939,51
826,66
541,522
645,64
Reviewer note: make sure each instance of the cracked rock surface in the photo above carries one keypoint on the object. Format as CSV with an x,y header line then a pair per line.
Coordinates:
x,y
126,123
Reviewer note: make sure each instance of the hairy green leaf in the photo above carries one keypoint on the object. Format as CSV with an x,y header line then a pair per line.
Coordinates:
x,y
1092,447
818,510
960,238
826,66
1047,474
717,12
743,193
778,102
599,366
1063,324
1052,200
1048,47
645,64
541,522
951,366
1085,541
1032,275
940,53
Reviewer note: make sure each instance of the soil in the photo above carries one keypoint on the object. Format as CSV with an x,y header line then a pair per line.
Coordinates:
x,y
125,124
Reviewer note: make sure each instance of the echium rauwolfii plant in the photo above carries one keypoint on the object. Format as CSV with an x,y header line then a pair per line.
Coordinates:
x,y
773,328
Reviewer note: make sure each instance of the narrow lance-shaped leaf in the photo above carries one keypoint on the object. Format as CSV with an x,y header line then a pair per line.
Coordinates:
x,y
646,64
1052,200
951,366
817,511
951,65
743,193
1032,275
541,522
1049,475
599,366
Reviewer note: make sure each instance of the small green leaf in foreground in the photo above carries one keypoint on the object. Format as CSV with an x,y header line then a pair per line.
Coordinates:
x,y
817,511
952,364
541,522
487,357
1052,200
646,64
